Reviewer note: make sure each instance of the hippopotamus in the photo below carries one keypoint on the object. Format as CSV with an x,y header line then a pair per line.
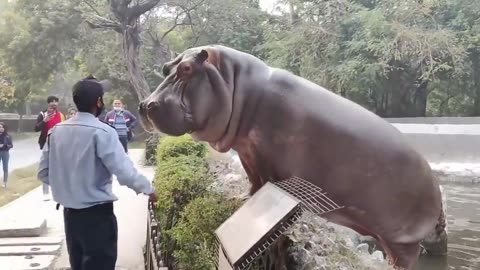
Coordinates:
x,y
282,125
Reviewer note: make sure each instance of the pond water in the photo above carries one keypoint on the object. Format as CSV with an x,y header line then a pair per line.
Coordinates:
x,y
463,216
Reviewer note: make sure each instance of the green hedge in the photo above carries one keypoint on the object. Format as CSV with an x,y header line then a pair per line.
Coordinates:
x,y
188,210
195,232
180,146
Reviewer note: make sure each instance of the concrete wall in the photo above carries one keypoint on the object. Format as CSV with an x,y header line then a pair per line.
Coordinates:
x,y
12,121
443,139
439,139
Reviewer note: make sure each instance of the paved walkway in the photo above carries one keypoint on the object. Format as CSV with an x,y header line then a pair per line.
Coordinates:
x,y
24,153
131,211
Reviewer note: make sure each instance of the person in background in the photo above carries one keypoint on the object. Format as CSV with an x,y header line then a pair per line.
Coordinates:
x,y
78,162
71,113
5,146
123,121
46,120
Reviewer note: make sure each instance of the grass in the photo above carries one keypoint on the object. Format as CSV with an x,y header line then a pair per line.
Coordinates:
x,y
20,181
23,135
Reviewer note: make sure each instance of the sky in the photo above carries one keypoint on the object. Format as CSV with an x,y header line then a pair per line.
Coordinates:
x,y
268,5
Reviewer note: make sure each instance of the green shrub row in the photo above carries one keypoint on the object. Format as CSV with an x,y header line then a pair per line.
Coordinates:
x,y
188,210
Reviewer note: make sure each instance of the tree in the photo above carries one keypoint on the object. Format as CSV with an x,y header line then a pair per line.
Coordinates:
x,y
7,90
127,23
37,39
381,54
463,18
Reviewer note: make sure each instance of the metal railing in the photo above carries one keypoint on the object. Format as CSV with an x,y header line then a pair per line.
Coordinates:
x,y
151,253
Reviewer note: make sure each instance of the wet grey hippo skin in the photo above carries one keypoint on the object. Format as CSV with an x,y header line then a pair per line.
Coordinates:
x,y
282,125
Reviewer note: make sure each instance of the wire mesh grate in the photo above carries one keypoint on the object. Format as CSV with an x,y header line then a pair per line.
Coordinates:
x,y
313,198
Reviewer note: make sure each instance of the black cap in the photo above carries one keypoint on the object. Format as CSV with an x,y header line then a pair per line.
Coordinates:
x,y
87,91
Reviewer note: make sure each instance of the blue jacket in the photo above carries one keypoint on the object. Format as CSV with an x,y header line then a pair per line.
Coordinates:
x,y
129,118
92,149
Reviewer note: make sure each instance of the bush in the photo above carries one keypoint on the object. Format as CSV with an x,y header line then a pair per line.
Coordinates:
x,y
188,210
178,181
195,235
181,176
180,146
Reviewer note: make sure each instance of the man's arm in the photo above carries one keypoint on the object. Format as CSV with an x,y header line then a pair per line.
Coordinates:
x,y
105,119
42,174
133,120
113,156
40,123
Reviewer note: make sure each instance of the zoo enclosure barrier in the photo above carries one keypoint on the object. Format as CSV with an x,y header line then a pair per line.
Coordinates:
x,y
152,253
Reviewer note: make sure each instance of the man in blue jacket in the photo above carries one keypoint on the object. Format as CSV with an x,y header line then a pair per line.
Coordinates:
x,y
123,121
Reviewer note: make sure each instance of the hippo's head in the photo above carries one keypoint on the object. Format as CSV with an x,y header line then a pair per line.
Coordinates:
x,y
193,98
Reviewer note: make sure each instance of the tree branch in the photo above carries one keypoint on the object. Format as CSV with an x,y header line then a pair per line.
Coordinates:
x,y
92,7
187,12
105,25
171,28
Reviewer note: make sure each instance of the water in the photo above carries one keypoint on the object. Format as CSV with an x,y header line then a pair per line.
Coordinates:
x,y
463,216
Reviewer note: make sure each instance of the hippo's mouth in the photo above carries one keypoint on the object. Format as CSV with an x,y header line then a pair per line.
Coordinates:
x,y
152,121
144,119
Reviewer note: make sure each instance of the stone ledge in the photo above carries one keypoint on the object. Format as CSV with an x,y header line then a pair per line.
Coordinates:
x,y
29,250
30,241
23,228
40,262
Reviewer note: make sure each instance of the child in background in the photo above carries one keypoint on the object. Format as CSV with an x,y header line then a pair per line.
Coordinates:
x,y
71,113
5,146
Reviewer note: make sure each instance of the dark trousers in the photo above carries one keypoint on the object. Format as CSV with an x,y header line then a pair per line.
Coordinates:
x,y
4,157
124,141
91,236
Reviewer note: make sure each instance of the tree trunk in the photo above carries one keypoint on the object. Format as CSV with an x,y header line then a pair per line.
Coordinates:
x,y
21,108
420,99
397,89
294,18
20,124
475,58
131,52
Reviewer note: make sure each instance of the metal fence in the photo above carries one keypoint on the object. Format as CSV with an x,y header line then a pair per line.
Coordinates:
x,y
151,253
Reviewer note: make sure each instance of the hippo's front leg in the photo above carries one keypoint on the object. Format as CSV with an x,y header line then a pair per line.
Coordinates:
x,y
253,178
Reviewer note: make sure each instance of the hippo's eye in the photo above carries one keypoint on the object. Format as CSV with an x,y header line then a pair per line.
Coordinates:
x,y
184,69
165,70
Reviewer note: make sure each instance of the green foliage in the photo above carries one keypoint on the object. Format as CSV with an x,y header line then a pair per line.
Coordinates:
x,y
7,89
396,58
37,39
188,210
182,176
384,55
195,232
179,180
180,146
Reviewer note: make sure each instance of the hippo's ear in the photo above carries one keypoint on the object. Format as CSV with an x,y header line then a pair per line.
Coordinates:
x,y
202,56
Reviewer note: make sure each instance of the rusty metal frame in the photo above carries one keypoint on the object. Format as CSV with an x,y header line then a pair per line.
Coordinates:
x,y
152,253
312,199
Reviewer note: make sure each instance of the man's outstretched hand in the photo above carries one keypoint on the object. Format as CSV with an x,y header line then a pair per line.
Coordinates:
x,y
153,197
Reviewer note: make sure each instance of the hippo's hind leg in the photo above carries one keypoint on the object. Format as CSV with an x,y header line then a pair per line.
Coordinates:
x,y
402,256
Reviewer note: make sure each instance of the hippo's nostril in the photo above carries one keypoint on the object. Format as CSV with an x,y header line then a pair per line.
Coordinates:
x,y
152,104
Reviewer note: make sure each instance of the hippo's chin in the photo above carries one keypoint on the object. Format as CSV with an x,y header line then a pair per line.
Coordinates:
x,y
146,124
